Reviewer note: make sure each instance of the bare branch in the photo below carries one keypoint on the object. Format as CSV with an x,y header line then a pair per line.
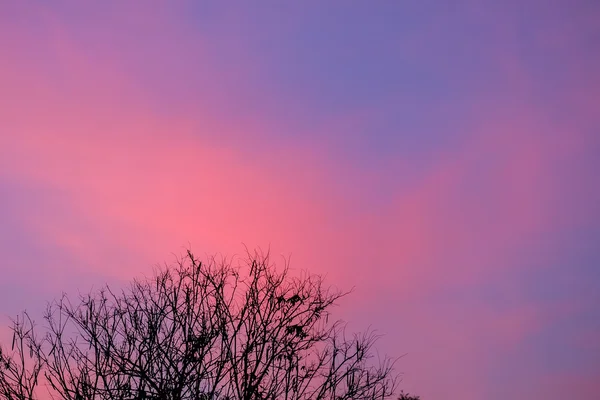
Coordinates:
x,y
198,330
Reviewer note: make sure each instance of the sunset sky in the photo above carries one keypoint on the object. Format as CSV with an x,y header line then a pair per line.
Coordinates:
x,y
441,157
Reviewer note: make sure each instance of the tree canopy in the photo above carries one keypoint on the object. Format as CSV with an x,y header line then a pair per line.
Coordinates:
x,y
197,330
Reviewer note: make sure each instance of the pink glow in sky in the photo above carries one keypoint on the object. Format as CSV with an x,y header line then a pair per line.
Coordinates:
x,y
441,159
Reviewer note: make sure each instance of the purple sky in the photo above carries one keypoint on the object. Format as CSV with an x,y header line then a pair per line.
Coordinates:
x,y
441,157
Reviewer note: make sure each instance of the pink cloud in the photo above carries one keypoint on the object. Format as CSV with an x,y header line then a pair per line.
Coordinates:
x,y
136,182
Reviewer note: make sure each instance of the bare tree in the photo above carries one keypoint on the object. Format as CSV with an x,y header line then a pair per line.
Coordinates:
x,y
20,369
198,330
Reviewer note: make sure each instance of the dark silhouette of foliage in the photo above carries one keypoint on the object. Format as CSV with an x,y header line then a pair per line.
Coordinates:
x,y
198,330
406,396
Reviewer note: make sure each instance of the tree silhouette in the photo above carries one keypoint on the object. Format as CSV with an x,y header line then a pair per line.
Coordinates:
x,y
406,396
197,330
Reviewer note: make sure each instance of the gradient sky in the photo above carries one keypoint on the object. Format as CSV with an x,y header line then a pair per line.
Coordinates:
x,y
440,157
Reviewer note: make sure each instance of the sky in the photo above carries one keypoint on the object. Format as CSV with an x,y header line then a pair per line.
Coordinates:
x,y
441,158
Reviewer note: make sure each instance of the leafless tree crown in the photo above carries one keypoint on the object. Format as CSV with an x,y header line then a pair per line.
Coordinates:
x,y
197,330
